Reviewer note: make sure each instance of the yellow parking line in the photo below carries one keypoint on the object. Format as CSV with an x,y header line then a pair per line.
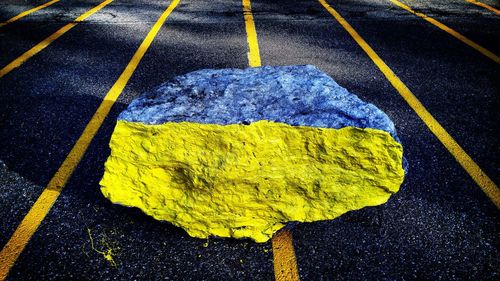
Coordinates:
x,y
450,31
25,13
285,264
253,45
481,4
484,182
39,210
40,46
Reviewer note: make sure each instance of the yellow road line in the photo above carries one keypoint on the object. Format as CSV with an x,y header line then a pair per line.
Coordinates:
x,y
484,182
481,4
25,13
39,210
450,31
40,46
253,45
285,264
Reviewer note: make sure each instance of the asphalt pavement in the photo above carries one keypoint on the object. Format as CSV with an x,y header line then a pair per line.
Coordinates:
x,y
440,226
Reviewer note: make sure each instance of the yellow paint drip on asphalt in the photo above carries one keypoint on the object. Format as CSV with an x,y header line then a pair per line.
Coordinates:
x,y
483,5
39,210
248,181
25,13
107,254
47,41
476,173
450,31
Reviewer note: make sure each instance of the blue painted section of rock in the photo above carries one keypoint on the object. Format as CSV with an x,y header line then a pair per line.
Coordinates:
x,y
296,95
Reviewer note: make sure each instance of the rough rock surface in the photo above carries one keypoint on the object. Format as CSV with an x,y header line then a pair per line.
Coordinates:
x,y
246,181
199,153
295,95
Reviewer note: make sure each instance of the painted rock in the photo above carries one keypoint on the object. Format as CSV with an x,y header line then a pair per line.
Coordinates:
x,y
241,152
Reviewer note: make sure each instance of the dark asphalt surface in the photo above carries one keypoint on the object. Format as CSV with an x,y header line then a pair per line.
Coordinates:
x,y
440,226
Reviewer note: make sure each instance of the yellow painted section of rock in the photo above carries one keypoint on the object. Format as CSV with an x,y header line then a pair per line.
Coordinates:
x,y
249,180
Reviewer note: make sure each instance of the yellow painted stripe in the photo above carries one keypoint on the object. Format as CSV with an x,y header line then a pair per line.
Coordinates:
x,y
40,46
39,210
486,6
253,45
285,264
450,31
25,13
484,182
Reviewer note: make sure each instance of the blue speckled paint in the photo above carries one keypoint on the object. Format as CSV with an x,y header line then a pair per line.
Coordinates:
x,y
296,95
